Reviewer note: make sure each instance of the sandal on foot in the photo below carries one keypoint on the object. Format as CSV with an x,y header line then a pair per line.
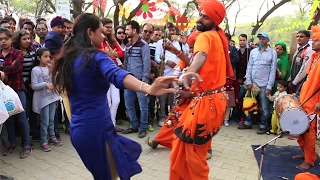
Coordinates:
x,y
10,150
153,144
26,152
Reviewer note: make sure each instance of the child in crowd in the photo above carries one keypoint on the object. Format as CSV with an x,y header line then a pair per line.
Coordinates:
x,y
239,106
53,40
152,100
232,89
45,98
281,91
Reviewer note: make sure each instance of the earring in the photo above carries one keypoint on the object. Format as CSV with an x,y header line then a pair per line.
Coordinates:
x,y
91,42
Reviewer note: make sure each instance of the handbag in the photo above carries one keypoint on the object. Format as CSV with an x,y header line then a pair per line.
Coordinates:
x,y
11,99
250,103
3,112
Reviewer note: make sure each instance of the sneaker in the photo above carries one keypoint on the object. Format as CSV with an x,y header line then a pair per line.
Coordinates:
x,y
244,127
150,128
130,130
291,137
57,135
142,133
261,131
160,123
56,142
226,123
45,147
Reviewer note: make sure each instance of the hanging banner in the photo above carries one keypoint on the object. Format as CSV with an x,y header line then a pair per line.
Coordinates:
x,y
63,8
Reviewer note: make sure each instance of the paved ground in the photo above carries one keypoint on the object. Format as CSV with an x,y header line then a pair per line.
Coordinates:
x,y
232,159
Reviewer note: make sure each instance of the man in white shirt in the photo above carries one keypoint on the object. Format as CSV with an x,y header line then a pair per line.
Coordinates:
x,y
170,61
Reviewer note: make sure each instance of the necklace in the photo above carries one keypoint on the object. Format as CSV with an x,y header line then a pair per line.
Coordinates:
x,y
45,76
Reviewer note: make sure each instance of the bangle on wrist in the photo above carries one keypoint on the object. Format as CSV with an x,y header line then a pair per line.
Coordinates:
x,y
179,54
141,85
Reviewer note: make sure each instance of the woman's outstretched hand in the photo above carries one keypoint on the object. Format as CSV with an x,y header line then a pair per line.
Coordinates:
x,y
160,86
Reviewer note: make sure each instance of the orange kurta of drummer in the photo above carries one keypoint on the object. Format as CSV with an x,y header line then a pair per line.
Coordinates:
x,y
307,140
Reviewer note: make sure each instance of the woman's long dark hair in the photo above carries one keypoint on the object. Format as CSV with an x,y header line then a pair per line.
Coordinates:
x,y
110,37
17,38
125,41
78,43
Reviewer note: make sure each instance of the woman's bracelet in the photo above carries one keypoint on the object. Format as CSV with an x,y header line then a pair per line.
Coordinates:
x,y
141,86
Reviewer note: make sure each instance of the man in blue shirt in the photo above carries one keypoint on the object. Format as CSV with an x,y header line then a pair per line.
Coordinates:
x,y
137,62
261,70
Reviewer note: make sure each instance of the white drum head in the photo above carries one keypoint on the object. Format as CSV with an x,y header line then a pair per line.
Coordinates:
x,y
294,120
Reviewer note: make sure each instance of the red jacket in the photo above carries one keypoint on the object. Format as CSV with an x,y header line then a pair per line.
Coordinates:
x,y
233,85
117,46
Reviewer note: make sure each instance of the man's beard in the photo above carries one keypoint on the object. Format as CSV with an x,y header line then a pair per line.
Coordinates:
x,y
201,27
130,35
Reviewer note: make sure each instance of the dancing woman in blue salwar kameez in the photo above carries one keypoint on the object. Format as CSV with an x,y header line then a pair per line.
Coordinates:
x,y
84,73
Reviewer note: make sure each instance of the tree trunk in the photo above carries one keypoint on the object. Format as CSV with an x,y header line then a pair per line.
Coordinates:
x,y
259,23
77,8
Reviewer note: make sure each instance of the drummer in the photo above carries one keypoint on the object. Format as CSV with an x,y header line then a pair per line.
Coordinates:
x,y
281,91
309,97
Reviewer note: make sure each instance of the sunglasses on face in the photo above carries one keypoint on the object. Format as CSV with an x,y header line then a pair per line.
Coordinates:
x,y
120,33
146,31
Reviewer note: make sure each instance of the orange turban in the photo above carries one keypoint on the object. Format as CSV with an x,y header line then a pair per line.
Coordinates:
x,y
316,35
214,9
216,12
193,37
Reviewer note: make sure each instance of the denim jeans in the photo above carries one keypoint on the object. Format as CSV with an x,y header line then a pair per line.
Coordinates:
x,y
21,119
129,97
265,104
47,122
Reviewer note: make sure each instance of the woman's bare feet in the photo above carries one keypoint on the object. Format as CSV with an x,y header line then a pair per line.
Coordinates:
x,y
303,166
300,156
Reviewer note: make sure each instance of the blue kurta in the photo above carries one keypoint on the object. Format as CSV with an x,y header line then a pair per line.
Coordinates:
x,y
91,125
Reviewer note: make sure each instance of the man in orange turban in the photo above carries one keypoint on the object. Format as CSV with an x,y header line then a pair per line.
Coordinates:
x,y
202,119
166,135
310,88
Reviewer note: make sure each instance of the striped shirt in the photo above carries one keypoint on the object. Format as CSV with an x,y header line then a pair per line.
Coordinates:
x,y
137,59
27,65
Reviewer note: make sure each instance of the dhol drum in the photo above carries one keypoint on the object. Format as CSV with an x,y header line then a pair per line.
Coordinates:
x,y
291,116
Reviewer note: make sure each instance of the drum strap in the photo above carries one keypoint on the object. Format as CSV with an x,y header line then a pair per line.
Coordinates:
x,y
310,97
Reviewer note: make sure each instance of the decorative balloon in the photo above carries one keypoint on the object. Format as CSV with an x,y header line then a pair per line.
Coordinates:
x,y
182,22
